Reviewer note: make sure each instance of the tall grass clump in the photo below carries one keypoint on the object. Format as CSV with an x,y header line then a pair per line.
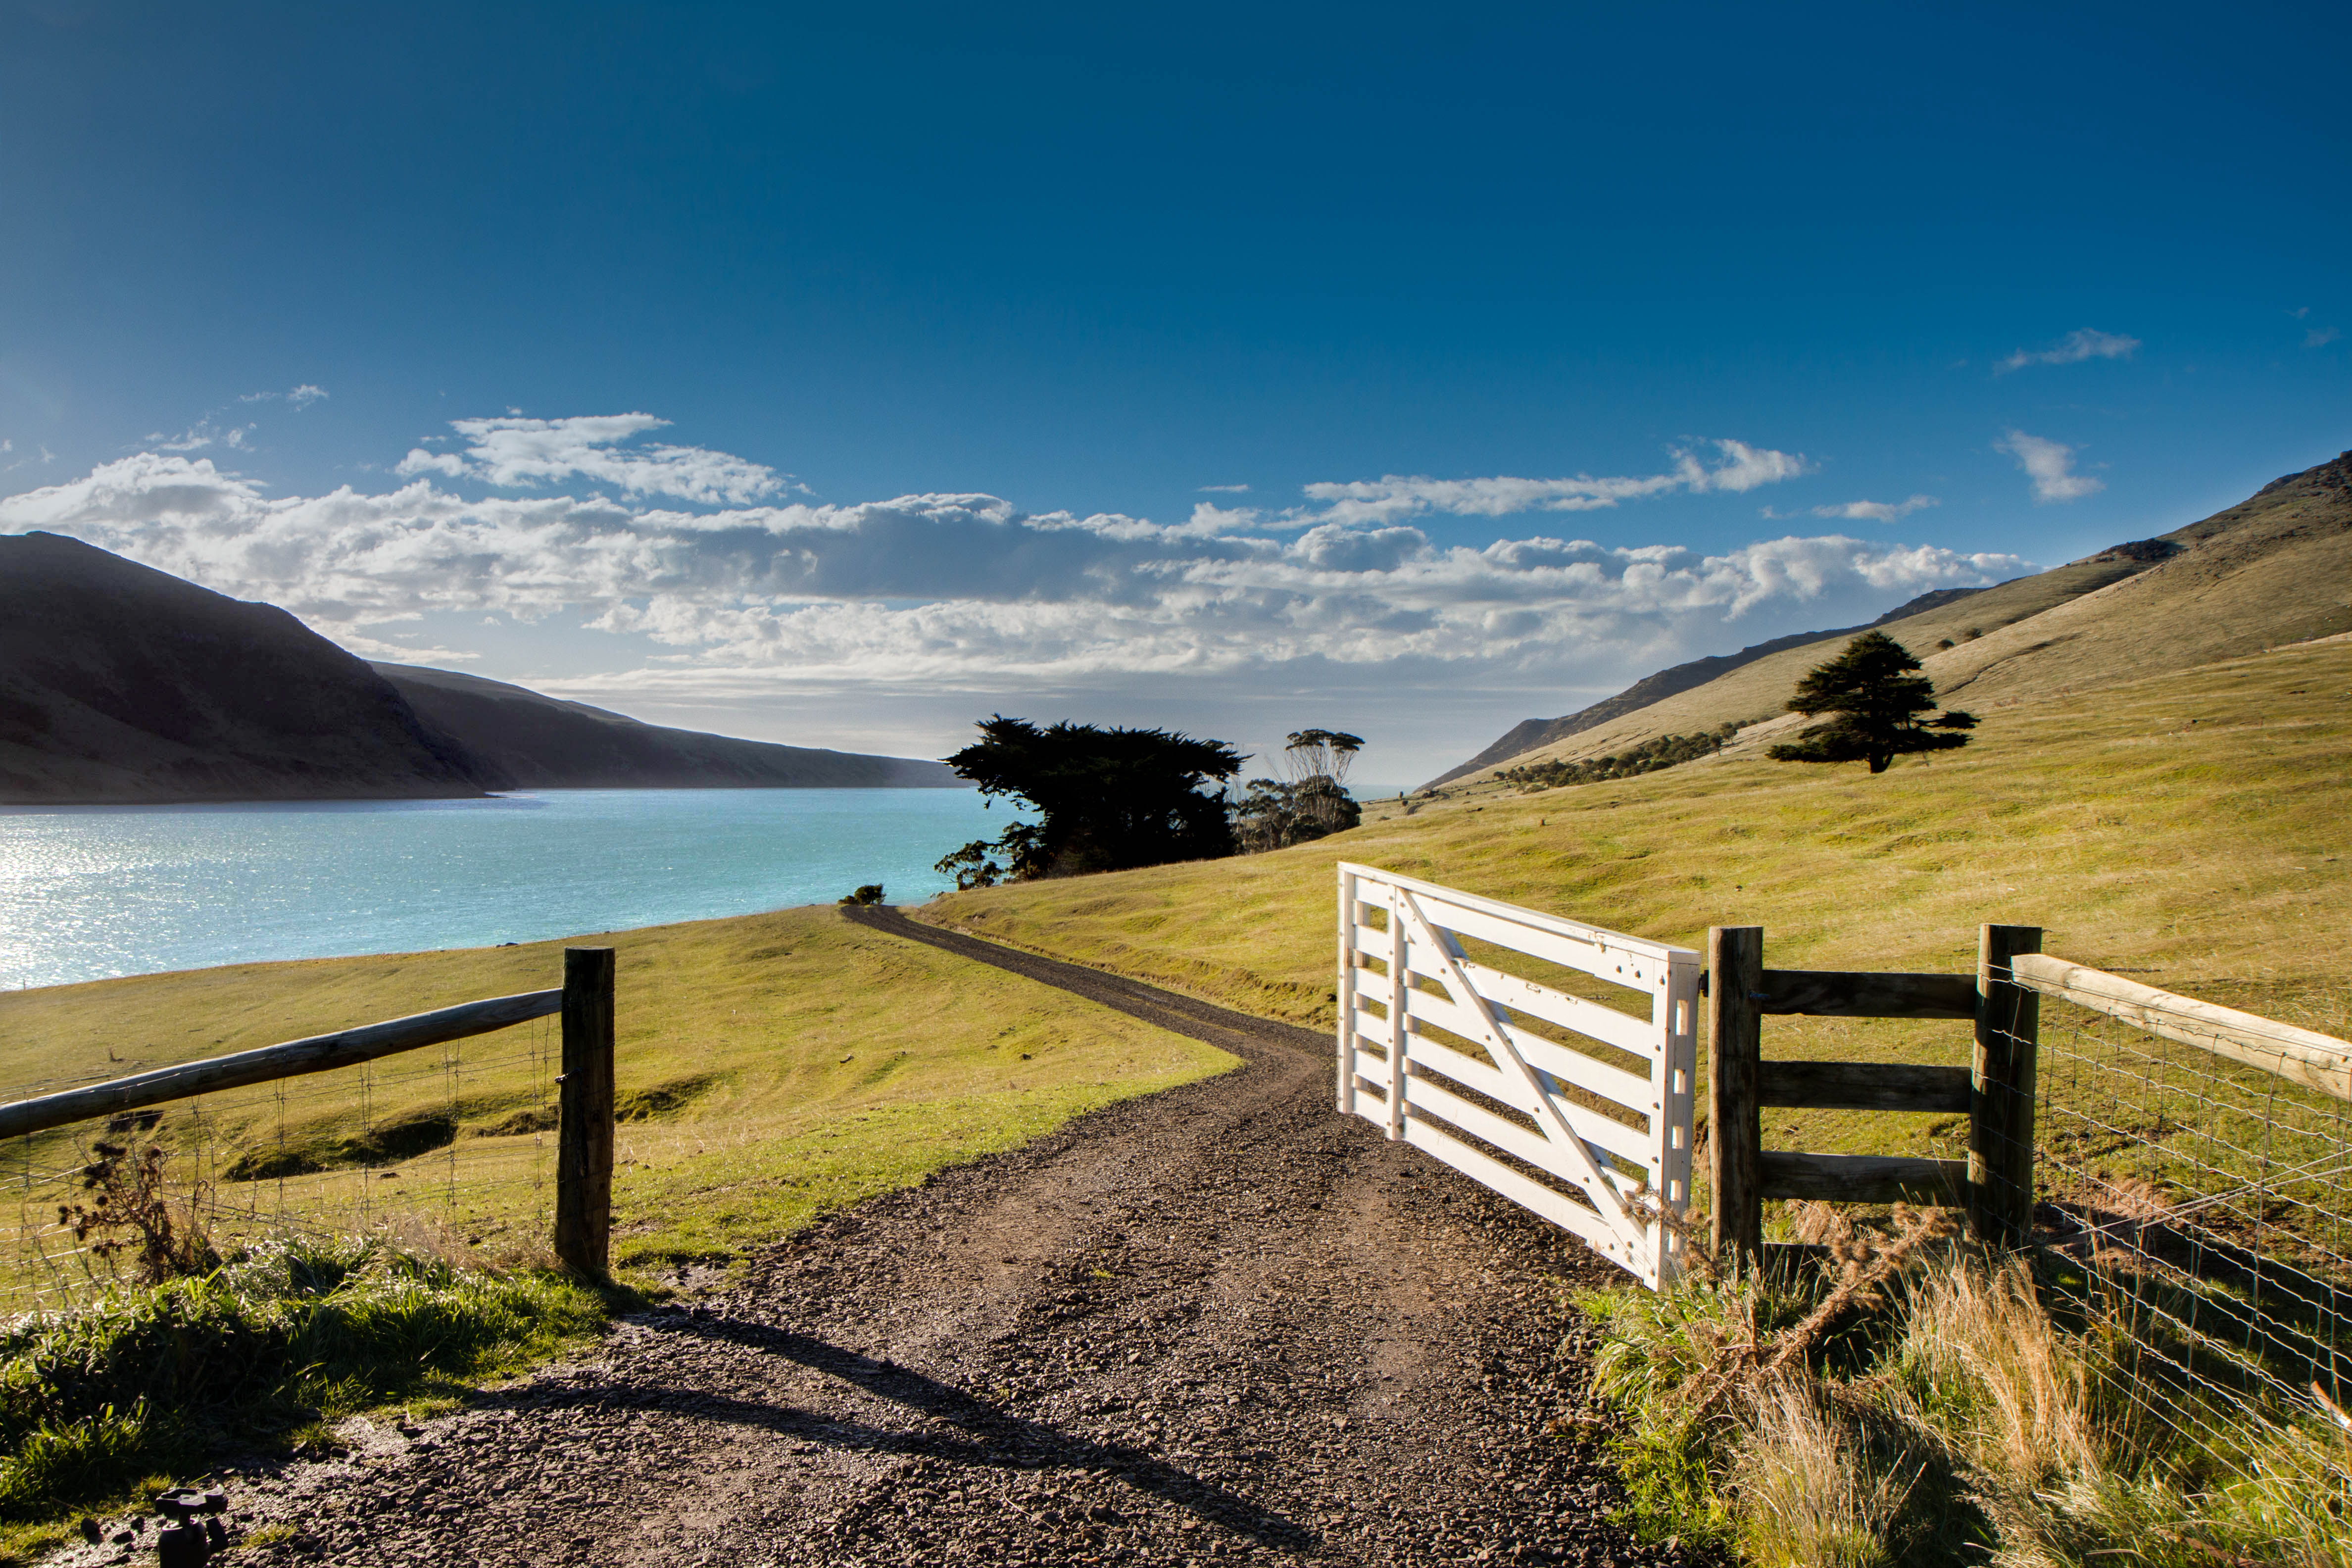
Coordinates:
x,y
278,1338
1922,1402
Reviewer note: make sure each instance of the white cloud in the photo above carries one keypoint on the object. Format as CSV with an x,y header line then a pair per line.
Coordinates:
x,y
2320,337
514,452
2050,465
301,396
1224,489
960,592
2072,348
1876,511
204,433
1393,496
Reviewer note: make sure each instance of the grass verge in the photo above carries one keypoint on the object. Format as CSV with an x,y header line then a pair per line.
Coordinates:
x,y
769,1067
1930,1404
98,1403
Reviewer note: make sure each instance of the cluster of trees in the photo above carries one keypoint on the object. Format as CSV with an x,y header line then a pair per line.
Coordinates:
x,y
1108,799
1648,757
1310,800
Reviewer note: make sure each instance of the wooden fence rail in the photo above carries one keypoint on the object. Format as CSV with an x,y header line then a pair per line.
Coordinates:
x,y
2301,1055
1995,1184
583,1187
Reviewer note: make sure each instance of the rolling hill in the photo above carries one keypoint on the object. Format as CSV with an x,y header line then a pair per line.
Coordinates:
x,y
120,684
2275,569
545,742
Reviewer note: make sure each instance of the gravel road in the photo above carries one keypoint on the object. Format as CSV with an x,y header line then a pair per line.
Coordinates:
x,y
1219,1325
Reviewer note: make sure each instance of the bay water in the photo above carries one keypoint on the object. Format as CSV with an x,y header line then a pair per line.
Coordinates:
x,y
90,892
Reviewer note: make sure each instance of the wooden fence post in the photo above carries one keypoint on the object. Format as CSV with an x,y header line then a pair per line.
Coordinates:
x,y
583,1158
2001,1090
1735,971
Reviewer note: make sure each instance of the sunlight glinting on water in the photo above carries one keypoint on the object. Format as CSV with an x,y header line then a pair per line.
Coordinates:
x,y
88,892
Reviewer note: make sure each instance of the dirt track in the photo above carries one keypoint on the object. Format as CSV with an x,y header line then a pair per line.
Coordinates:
x,y
1222,1323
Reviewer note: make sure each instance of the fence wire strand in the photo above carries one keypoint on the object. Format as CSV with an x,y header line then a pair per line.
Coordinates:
x,y
2202,1208
448,1148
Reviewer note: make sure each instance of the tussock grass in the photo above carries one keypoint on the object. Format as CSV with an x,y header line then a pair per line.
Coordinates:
x,y
97,1400
1976,1414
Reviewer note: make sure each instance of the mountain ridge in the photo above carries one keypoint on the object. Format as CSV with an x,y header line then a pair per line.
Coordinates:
x,y
124,684
2268,571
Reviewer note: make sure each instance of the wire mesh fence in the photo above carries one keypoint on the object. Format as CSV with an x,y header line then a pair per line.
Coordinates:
x,y
452,1146
2199,1203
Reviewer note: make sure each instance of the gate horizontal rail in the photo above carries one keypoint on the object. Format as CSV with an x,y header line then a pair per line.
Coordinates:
x,y
1508,1079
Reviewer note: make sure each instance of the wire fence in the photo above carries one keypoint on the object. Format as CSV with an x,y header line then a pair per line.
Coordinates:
x,y
451,1148
2200,1205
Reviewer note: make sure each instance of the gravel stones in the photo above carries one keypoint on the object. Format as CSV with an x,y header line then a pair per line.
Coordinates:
x,y
1223,1324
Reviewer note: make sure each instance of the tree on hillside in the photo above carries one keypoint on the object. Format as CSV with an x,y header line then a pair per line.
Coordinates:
x,y
1310,800
1875,700
1107,800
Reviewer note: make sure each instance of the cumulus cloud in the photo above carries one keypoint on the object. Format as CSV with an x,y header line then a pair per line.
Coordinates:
x,y
2050,465
1741,467
1876,511
2072,348
951,591
514,452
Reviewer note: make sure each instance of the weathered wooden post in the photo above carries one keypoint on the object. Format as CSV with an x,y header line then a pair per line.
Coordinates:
x,y
1735,983
583,1159
2001,1089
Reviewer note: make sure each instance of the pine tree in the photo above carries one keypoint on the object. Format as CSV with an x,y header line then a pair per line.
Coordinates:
x,y
1875,701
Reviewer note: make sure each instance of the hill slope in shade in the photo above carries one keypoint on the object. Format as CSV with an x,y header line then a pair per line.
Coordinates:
x,y
119,683
2272,570
544,743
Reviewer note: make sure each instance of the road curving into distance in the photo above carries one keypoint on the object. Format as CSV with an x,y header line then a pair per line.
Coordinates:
x,y
1218,1325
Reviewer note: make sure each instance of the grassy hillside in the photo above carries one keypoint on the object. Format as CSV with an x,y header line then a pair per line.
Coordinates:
x,y
2275,569
775,1064
2191,827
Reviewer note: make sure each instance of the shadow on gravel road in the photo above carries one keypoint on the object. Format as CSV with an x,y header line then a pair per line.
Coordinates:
x,y
996,1439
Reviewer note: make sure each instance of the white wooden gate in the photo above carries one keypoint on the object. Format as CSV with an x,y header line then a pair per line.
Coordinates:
x,y
1519,1073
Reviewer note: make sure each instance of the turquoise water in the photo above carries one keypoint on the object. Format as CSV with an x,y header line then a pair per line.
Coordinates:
x,y
86,892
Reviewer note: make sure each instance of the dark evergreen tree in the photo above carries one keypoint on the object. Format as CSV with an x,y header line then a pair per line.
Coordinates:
x,y
1875,700
1107,799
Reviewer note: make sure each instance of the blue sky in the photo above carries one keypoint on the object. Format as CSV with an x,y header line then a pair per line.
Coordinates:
x,y
1700,324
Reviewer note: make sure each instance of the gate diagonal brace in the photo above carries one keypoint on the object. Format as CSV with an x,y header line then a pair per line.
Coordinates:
x,y
1597,1185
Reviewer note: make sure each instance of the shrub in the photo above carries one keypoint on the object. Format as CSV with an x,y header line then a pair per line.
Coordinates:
x,y
1664,752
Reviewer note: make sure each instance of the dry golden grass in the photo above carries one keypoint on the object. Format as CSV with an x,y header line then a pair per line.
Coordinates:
x,y
2267,572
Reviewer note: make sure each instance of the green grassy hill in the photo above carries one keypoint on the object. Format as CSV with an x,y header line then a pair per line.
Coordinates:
x,y
2275,569
2190,826
769,1066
